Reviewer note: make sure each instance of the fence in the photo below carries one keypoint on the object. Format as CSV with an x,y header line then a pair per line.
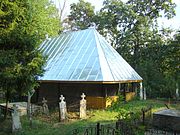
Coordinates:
x,y
121,127
98,129
116,128
3,109
146,115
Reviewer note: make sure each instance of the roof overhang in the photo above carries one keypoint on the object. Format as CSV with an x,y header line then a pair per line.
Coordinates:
x,y
91,82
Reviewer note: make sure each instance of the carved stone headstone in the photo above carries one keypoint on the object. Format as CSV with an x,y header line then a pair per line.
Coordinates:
x,y
62,107
83,106
16,123
45,106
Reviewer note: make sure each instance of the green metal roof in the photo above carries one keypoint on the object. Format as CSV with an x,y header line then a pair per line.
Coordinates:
x,y
84,56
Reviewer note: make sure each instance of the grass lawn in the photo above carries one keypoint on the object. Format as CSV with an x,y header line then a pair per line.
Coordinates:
x,y
49,125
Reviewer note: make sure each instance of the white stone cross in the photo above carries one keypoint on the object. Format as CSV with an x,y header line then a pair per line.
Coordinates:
x,y
83,96
45,106
44,101
16,123
62,107
62,98
83,106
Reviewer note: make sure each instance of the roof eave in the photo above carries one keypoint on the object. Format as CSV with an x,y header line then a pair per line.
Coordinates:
x,y
95,82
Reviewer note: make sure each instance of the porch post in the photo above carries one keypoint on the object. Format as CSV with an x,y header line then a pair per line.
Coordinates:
x,y
119,89
124,92
177,91
144,93
141,91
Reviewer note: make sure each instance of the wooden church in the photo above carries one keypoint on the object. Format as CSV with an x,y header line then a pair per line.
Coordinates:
x,y
84,62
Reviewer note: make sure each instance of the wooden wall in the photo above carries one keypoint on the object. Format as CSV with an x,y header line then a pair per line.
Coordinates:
x,y
100,102
98,95
72,91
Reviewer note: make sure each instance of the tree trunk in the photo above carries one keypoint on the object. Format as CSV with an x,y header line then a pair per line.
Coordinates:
x,y
6,109
28,106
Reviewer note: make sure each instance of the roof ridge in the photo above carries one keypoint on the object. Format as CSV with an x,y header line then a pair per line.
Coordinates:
x,y
96,33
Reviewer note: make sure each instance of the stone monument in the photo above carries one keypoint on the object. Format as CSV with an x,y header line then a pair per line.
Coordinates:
x,y
45,106
83,106
62,107
16,123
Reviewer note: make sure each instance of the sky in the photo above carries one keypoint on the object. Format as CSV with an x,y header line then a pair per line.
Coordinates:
x,y
163,22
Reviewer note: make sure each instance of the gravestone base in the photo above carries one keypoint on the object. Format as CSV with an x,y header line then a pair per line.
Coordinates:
x,y
167,119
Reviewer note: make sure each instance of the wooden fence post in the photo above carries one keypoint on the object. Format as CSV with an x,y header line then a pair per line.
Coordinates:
x,y
98,128
117,125
143,116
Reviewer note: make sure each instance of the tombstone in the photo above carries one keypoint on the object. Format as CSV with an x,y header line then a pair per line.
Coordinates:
x,y
141,91
16,123
62,107
83,106
45,106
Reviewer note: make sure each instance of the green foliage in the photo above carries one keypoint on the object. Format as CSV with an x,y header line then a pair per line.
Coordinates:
x,y
123,114
136,105
23,26
120,101
132,29
41,127
81,15
132,25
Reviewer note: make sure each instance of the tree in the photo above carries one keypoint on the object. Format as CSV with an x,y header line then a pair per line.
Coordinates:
x,y
132,25
81,15
159,67
171,62
23,26
132,29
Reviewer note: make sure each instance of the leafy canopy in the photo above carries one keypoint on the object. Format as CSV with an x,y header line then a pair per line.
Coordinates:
x,y
132,29
23,25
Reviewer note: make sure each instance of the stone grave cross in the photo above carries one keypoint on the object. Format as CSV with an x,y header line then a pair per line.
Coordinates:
x,y
83,96
62,107
83,106
16,123
45,106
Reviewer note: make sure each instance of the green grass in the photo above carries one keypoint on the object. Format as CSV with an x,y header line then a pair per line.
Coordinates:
x,y
137,105
53,127
43,128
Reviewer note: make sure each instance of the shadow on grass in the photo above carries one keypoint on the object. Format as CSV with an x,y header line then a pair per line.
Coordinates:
x,y
5,126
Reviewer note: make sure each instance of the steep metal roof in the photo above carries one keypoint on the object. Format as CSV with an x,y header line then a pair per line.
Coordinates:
x,y
82,56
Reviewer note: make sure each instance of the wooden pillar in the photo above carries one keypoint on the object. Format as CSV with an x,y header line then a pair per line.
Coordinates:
x,y
37,95
119,88
144,94
106,92
141,91
124,91
177,91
